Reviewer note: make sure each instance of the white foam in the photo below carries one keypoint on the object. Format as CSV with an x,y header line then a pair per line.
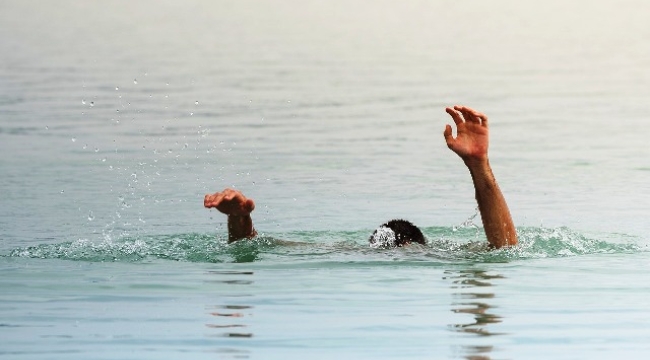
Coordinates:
x,y
383,237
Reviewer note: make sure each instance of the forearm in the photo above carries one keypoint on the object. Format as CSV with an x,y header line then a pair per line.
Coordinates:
x,y
497,221
240,227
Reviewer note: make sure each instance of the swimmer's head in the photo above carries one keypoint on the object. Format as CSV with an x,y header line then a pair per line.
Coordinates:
x,y
396,233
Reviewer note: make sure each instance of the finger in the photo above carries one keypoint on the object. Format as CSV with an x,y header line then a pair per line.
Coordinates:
x,y
227,191
477,114
448,136
484,118
216,199
229,196
470,115
208,201
458,119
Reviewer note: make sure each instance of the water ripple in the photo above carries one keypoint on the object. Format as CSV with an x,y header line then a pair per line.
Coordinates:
x,y
342,248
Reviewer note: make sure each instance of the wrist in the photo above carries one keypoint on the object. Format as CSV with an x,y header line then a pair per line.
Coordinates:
x,y
240,226
476,162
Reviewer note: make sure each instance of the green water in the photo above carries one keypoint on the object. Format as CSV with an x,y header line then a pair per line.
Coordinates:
x,y
446,245
116,118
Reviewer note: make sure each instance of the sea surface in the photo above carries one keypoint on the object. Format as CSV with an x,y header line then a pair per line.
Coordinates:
x,y
117,117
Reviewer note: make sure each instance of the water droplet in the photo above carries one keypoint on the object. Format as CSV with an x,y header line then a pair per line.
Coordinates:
x,y
47,128
85,146
104,160
135,81
96,149
74,139
83,102
91,216
92,103
118,110
117,88
62,191
196,103
191,113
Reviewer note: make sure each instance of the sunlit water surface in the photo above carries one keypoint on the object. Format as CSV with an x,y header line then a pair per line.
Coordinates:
x,y
117,117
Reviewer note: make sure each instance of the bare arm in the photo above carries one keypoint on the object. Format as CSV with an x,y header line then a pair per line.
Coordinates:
x,y
471,144
238,208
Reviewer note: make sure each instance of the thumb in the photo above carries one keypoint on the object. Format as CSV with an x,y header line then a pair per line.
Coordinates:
x,y
249,205
448,137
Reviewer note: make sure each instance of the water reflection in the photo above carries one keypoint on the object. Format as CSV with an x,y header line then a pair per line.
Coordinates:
x,y
472,291
228,319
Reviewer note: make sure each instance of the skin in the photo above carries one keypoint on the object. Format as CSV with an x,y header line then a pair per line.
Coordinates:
x,y
471,144
238,208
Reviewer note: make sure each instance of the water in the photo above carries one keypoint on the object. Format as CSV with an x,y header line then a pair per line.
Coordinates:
x,y
116,119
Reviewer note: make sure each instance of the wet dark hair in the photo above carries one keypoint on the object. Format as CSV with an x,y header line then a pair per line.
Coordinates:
x,y
396,232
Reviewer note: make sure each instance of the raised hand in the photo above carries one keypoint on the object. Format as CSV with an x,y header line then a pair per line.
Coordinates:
x,y
472,135
471,144
230,202
238,208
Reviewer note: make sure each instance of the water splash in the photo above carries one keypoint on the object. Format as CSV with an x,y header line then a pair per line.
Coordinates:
x,y
445,246
534,243
184,247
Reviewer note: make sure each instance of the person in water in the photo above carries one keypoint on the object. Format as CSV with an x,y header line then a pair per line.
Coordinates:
x,y
471,144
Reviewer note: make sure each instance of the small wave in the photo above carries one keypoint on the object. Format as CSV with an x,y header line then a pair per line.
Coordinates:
x,y
534,243
182,247
445,245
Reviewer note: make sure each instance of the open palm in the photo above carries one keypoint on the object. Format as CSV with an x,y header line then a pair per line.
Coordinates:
x,y
472,135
